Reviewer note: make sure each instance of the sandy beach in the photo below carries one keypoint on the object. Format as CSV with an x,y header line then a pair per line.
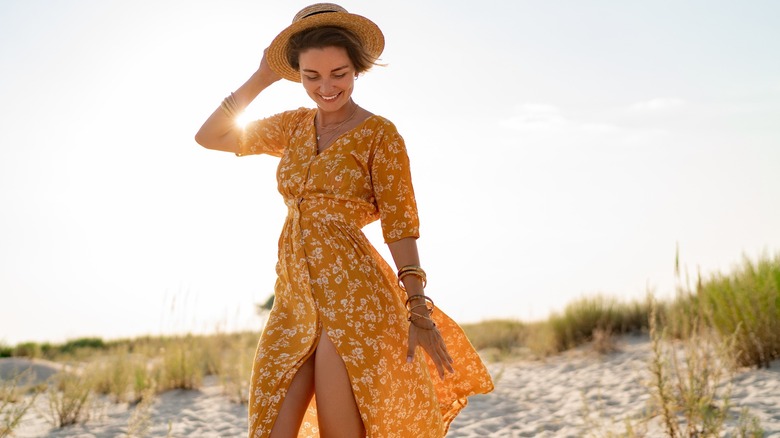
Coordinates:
x,y
574,394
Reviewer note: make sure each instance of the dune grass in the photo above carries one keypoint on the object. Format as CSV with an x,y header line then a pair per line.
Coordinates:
x,y
687,381
736,314
746,304
13,403
128,371
69,395
699,339
588,319
497,339
743,304
600,315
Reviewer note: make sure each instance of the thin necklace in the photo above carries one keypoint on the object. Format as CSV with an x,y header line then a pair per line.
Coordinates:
x,y
321,129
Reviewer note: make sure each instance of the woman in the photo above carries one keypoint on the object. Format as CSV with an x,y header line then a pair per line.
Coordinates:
x,y
337,357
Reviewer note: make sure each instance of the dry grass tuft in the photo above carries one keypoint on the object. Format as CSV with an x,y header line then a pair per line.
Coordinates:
x,y
604,341
691,382
69,395
237,361
182,365
140,421
13,403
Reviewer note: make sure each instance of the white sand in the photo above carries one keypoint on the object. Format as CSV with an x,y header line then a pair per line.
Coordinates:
x,y
37,370
571,395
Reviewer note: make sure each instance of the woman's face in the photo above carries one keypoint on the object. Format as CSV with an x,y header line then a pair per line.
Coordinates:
x,y
328,76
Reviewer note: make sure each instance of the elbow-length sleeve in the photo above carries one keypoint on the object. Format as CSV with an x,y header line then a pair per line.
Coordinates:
x,y
269,135
391,180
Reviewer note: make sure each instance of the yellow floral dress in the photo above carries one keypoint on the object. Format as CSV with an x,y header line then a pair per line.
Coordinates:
x,y
332,280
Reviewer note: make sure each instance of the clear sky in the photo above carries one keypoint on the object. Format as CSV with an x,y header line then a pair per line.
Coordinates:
x,y
559,149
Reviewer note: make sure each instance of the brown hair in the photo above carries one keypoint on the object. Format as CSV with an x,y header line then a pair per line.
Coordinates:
x,y
329,36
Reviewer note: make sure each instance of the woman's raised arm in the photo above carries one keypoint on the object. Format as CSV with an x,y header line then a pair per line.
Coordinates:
x,y
220,131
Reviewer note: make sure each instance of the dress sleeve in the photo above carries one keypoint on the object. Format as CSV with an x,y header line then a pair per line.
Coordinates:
x,y
269,135
391,179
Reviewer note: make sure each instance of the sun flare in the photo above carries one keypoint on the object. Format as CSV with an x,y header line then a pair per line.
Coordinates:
x,y
242,120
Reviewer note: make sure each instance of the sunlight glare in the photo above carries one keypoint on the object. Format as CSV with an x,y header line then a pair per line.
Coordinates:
x,y
242,120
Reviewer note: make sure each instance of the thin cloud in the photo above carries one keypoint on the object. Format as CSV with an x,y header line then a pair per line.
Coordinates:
x,y
535,117
658,104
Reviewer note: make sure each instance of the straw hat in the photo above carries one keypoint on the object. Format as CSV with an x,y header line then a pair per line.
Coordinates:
x,y
319,15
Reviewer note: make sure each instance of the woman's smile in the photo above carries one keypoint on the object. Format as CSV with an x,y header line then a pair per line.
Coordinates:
x,y
330,98
328,77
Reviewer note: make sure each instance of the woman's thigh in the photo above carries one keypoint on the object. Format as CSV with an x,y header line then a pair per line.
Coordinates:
x,y
337,411
293,408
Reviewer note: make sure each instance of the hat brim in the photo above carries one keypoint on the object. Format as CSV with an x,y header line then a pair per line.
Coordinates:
x,y
364,29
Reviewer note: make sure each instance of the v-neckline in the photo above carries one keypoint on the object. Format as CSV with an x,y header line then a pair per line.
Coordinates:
x,y
317,152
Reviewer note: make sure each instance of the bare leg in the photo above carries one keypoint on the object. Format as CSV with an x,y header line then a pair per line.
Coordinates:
x,y
299,394
337,411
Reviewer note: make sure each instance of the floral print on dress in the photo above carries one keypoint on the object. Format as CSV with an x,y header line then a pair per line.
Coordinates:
x,y
332,280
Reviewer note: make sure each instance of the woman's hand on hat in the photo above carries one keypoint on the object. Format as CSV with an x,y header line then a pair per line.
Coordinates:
x,y
432,342
265,72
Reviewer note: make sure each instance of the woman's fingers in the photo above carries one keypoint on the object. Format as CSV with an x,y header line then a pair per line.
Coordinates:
x,y
445,357
434,354
432,342
441,351
412,344
265,68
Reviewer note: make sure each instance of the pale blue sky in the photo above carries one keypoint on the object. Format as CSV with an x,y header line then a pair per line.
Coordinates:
x,y
559,149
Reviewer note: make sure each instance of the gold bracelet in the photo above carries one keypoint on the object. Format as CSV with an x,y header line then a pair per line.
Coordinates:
x,y
230,107
427,299
414,297
412,321
416,274
415,316
411,315
430,309
412,270
409,268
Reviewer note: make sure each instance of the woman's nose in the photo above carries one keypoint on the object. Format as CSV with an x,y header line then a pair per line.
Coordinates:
x,y
325,86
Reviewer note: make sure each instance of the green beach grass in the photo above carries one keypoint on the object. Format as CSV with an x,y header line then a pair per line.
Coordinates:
x,y
733,315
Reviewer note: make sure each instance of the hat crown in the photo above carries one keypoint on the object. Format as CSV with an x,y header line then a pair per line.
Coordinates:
x,y
323,15
317,8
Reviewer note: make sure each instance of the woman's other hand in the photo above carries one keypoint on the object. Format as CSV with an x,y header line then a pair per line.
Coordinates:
x,y
433,343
